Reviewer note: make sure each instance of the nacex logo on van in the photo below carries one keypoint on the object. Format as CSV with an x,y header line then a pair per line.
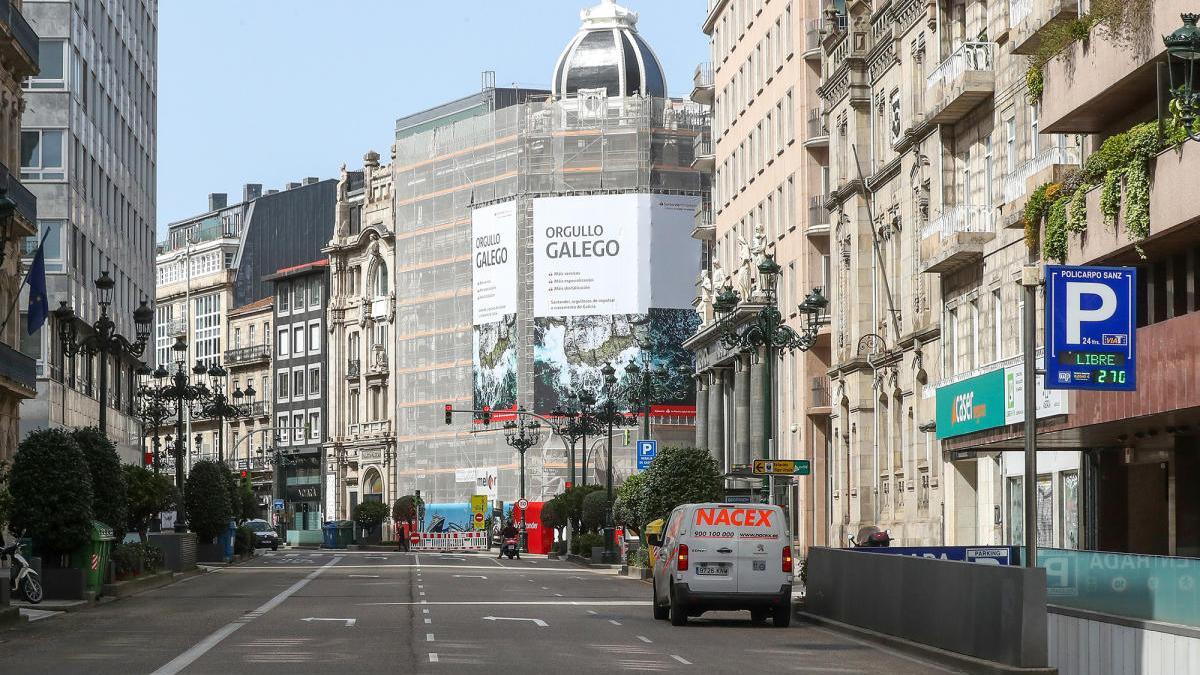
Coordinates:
x,y
735,517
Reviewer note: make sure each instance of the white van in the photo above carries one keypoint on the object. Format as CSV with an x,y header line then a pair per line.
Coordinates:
x,y
723,557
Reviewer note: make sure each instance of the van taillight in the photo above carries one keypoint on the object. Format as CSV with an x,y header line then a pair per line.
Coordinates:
x,y
681,559
787,559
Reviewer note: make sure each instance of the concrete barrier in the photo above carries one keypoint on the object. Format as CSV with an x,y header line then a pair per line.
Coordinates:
x,y
986,612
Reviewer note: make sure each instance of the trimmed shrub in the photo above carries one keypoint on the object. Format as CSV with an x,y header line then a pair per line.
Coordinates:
x,y
406,508
108,479
146,495
681,476
595,511
206,497
370,515
582,544
243,542
52,492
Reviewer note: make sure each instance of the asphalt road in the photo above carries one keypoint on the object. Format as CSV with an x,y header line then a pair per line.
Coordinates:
x,y
359,612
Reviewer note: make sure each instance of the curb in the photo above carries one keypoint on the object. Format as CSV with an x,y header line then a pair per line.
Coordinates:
x,y
9,616
129,587
969,664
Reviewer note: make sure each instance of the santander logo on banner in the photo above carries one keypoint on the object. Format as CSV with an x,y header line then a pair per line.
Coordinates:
x,y
744,517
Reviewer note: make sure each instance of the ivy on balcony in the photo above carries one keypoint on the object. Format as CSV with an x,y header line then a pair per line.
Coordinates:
x,y
1121,169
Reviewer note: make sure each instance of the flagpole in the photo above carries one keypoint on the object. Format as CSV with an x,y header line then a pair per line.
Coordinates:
x,y
24,282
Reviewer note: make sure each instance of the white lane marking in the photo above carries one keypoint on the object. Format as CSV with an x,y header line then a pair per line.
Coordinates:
x,y
681,659
429,637
428,620
558,595
420,586
422,593
417,559
470,576
545,588
199,649
614,622
576,603
433,657
538,622
250,569
885,650
348,622
364,576
645,639
591,611
424,611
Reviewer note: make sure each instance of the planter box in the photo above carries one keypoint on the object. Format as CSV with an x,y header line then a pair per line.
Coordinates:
x,y
597,555
64,583
211,553
179,550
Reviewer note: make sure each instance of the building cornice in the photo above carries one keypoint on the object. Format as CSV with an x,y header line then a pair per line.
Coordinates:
x,y
710,21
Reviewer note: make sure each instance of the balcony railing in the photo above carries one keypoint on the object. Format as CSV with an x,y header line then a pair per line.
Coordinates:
x,y
816,124
25,200
818,215
968,57
705,227
353,368
234,357
176,327
812,38
1018,10
18,368
820,393
1015,182
702,152
961,218
24,35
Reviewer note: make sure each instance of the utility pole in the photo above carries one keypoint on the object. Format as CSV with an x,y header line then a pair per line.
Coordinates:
x,y
1031,278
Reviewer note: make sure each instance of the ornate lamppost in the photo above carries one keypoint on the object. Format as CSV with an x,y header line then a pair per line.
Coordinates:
x,y
1183,55
152,412
767,332
521,436
610,416
220,408
646,384
574,423
104,340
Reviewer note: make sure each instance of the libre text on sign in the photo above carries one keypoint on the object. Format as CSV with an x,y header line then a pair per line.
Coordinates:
x,y
1091,328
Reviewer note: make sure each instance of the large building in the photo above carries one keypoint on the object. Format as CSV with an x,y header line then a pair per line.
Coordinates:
x,y
604,149
769,177
18,223
89,153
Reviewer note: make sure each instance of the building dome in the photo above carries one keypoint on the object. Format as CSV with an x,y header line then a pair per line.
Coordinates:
x,y
607,53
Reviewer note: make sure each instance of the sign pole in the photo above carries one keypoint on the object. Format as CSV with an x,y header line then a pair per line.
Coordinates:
x,y
1029,281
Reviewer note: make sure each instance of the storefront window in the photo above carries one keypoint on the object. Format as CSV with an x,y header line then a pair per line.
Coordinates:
x,y
1016,512
1070,509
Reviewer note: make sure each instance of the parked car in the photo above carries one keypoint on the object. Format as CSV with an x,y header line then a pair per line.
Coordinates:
x,y
264,534
723,557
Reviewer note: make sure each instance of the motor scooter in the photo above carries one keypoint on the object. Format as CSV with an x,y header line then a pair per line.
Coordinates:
x,y
24,577
509,548
871,537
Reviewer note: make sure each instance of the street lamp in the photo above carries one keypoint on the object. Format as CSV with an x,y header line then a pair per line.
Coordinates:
x,y
220,408
647,384
768,332
151,411
104,339
612,417
1183,53
574,423
521,436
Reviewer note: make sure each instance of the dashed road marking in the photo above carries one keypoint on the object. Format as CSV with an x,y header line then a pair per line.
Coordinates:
x,y
428,620
429,637
614,622
645,639
681,659
433,657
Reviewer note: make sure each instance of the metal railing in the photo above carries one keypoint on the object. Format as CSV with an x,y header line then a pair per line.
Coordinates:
x,y
812,35
176,327
1018,10
820,393
702,145
1014,183
816,124
818,215
704,76
241,355
969,56
25,200
22,32
18,367
961,218
353,368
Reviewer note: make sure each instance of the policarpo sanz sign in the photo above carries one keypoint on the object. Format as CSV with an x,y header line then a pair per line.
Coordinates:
x,y
971,405
1091,328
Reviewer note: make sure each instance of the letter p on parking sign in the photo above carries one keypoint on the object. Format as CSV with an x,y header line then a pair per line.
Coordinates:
x,y
1091,328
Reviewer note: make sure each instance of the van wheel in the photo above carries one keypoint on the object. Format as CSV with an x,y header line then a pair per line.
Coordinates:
x,y
661,612
781,616
678,612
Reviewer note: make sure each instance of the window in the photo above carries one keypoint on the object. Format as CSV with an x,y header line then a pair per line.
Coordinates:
x,y
949,348
298,383
282,387
250,335
1010,145
997,326
314,425
283,300
298,340
281,429
298,431
380,334
237,338
352,412
989,176
353,349
1034,141
206,312
314,337
283,343
314,381
379,279
42,154
52,73
298,289
53,249
974,352
314,294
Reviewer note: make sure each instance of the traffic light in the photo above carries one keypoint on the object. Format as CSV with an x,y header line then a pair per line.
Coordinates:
x,y
449,414
244,473
487,415
626,437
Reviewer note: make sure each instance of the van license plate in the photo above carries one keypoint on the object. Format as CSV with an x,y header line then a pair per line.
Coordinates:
x,y
712,570
760,565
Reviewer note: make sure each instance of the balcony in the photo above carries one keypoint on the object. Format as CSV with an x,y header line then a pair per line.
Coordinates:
x,y
1050,165
18,372
369,429
818,217
21,46
702,153
26,202
819,401
248,355
705,228
176,327
1029,19
379,361
261,408
818,134
812,41
961,82
703,84
353,369
1098,83
956,238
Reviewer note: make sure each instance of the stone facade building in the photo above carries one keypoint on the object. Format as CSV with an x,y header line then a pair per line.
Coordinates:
x,y
361,446
248,360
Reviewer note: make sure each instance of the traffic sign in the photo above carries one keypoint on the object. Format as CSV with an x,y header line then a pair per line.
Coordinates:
x,y
782,467
646,452
278,504
1091,328
522,504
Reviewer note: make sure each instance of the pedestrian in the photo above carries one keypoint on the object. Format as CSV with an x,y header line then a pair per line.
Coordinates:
x,y
509,532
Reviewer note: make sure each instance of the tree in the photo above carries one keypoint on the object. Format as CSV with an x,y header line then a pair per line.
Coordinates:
x,y
52,491
249,504
680,476
370,515
406,508
5,496
553,515
595,511
147,494
573,503
206,497
235,491
629,505
108,479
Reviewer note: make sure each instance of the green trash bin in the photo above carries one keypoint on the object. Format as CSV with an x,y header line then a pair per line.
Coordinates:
x,y
93,556
344,533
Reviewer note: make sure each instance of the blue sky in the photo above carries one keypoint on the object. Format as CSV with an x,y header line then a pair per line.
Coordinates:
x,y
271,91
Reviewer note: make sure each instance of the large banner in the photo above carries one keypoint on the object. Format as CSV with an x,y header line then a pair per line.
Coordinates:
x,y
614,278
494,304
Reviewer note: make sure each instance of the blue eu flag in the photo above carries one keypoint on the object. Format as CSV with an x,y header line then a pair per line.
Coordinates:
x,y
39,308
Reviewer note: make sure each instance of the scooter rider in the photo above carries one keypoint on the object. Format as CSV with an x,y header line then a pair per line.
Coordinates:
x,y
509,532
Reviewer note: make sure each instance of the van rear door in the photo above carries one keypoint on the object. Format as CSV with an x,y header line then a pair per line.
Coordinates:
x,y
712,538
760,542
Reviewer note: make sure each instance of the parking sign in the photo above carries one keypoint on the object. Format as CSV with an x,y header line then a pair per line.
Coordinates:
x,y
646,452
1091,328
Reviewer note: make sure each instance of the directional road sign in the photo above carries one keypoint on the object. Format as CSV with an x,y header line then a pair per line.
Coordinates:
x,y
1091,328
646,452
782,467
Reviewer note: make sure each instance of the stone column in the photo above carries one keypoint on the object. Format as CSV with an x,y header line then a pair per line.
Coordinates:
x,y
701,411
716,417
741,396
758,408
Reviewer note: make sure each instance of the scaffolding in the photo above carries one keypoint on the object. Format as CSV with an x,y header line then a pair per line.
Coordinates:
x,y
590,144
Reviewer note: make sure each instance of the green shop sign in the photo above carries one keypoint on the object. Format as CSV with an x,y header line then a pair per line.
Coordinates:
x,y
971,405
